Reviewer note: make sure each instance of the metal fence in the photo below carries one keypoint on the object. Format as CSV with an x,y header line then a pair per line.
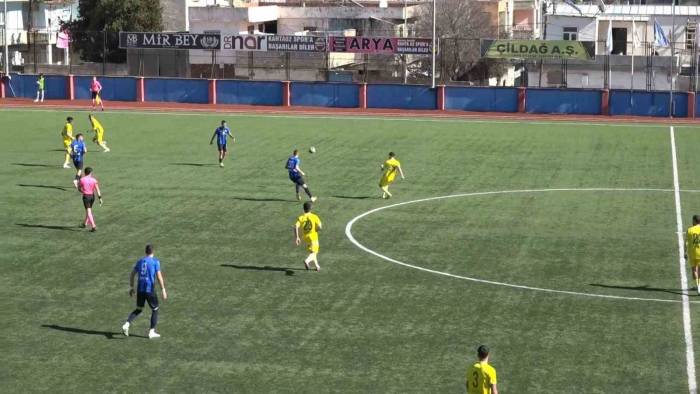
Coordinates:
x,y
458,62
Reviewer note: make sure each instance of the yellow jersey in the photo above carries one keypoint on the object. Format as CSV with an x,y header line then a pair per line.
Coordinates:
x,y
309,224
391,167
692,243
67,133
480,378
97,126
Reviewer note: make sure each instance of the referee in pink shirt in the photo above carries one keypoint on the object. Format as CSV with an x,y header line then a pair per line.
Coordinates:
x,y
87,186
95,91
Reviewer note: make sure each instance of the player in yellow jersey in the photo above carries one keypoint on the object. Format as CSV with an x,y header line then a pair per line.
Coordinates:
x,y
390,167
67,135
692,250
310,225
481,377
99,138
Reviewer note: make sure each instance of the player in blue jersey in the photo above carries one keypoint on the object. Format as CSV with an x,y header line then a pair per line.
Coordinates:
x,y
77,153
296,175
221,134
147,269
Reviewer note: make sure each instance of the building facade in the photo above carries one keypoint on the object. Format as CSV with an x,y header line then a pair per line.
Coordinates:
x,y
625,40
32,31
316,18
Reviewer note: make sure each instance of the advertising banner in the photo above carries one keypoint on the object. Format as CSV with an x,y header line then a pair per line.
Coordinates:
x,y
133,40
296,44
245,42
381,45
274,43
537,49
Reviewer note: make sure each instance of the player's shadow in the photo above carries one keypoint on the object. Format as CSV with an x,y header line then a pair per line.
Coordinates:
x,y
287,271
35,165
45,187
193,164
266,199
353,197
106,334
48,227
641,288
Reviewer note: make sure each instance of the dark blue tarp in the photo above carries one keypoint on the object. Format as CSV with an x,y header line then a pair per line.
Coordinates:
x,y
342,95
563,101
24,85
481,99
401,97
113,88
177,90
647,103
248,92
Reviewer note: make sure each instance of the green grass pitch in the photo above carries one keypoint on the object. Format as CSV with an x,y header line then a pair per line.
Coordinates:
x,y
242,315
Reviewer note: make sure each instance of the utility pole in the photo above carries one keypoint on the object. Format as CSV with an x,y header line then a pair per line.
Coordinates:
x,y
434,41
4,37
673,58
405,34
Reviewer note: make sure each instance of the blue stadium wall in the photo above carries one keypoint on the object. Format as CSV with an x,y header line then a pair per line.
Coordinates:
x,y
563,101
248,92
481,99
349,95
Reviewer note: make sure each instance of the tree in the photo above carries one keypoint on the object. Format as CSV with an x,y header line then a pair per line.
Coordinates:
x,y
101,21
461,24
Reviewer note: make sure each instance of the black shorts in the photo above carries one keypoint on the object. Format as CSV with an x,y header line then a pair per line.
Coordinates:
x,y
88,200
151,298
94,95
78,164
297,178
222,147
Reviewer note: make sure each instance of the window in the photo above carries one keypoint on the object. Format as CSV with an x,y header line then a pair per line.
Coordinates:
x,y
570,34
619,37
690,34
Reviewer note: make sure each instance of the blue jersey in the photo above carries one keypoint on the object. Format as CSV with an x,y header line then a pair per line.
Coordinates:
x,y
77,149
292,164
221,134
146,269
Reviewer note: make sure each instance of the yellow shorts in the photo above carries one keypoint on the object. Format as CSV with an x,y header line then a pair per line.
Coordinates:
x,y
694,262
99,138
313,247
386,182
66,145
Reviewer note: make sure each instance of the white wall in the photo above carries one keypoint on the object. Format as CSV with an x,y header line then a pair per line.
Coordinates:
x,y
586,27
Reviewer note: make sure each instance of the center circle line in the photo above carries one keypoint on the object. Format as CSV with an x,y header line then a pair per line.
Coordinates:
x,y
351,237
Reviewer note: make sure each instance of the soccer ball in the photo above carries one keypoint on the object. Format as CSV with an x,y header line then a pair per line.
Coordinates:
x,y
312,150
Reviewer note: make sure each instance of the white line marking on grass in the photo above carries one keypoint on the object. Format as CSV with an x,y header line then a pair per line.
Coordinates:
x,y
355,116
348,233
688,334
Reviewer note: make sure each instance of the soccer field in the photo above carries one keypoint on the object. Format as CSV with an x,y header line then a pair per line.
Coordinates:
x,y
569,271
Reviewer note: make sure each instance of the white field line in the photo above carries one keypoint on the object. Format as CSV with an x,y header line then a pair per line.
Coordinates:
x,y
687,331
476,118
349,235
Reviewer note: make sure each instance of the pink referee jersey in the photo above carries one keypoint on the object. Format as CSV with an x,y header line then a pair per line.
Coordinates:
x,y
95,86
87,185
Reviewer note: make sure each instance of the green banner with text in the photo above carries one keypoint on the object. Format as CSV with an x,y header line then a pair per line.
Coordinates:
x,y
537,49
